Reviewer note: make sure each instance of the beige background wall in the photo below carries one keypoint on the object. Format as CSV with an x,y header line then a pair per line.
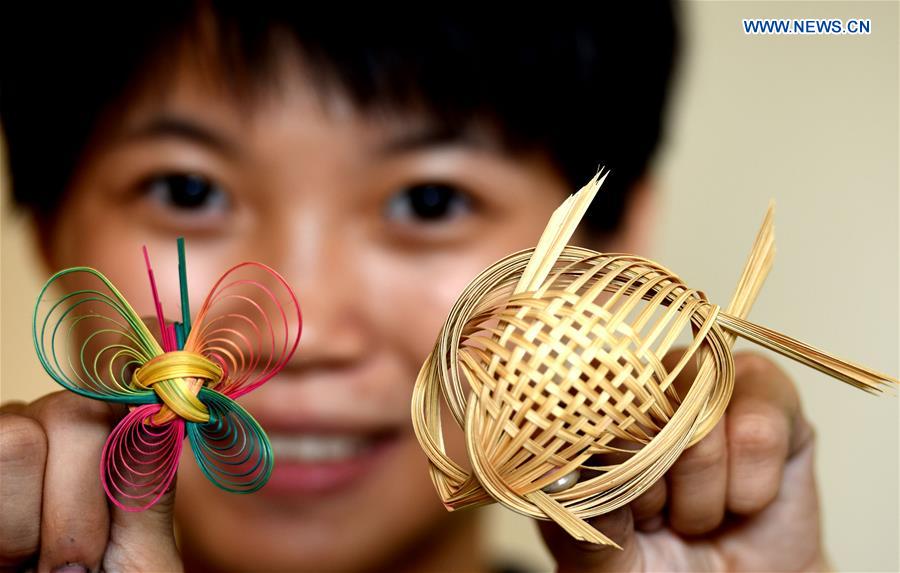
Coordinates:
x,y
810,121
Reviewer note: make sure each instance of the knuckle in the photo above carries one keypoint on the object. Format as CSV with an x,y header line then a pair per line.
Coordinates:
x,y
23,443
706,454
698,463
65,408
753,363
23,448
759,436
12,407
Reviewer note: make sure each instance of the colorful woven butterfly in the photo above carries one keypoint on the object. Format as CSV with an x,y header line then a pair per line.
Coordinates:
x,y
93,343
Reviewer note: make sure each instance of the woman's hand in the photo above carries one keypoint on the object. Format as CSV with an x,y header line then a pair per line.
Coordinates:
x,y
742,499
53,511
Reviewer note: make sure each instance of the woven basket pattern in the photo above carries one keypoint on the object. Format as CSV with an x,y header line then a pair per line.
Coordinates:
x,y
572,374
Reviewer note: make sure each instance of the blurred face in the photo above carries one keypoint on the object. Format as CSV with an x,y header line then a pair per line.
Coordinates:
x,y
377,221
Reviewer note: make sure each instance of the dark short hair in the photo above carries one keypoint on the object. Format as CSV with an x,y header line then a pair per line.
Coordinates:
x,y
588,89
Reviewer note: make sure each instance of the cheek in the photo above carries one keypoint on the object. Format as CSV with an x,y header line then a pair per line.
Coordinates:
x,y
411,303
96,235
414,302
411,298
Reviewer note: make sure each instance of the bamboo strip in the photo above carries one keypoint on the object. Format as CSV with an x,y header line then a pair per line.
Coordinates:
x,y
551,361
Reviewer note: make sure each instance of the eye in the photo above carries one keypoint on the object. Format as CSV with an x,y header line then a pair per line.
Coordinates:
x,y
428,203
186,192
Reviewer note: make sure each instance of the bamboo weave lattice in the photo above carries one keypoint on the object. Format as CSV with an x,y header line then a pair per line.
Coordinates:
x,y
551,361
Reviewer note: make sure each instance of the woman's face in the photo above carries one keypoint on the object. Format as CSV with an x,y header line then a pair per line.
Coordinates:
x,y
378,222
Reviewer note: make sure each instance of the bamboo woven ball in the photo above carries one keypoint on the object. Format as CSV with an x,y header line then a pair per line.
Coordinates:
x,y
556,364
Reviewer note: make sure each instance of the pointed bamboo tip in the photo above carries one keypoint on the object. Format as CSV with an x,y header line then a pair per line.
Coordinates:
x,y
598,539
605,175
556,235
887,386
592,186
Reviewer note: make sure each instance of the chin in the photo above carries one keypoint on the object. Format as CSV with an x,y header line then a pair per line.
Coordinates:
x,y
362,523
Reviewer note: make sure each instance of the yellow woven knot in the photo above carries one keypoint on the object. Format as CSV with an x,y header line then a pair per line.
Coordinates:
x,y
177,377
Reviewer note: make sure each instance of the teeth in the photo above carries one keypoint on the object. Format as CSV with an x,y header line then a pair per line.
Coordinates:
x,y
318,448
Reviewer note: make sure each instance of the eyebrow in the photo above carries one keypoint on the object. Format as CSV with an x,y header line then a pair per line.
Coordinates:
x,y
165,126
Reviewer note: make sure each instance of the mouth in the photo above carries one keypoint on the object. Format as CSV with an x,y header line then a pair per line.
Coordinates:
x,y
316,463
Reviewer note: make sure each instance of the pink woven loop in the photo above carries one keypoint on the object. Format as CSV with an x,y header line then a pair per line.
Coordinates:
x,y
139,459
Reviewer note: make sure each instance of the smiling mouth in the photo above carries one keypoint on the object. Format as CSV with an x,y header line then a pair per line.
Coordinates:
x,y
319,463
320,448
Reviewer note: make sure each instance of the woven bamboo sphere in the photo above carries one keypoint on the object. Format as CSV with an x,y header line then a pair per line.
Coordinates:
x,y
552,363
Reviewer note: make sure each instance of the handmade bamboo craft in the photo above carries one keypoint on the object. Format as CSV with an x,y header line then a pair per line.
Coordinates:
x,y
568,408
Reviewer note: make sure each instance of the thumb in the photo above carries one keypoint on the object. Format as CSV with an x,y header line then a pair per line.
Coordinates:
x,y
140,461
144,540
583,557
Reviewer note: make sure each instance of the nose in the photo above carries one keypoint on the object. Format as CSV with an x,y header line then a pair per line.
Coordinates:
x,y
317,260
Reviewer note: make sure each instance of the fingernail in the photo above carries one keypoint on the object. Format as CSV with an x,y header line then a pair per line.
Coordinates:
x,y
70,568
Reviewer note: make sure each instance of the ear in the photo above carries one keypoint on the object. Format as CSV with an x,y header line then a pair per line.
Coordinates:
x,y
636,231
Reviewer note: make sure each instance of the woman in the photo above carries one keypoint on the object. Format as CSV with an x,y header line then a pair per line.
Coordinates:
x,y
379,169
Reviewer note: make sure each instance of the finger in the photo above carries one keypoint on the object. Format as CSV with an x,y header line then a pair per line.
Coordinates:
x,y
580,556
23,450
764,426
697,484
142,536
79,526
648,507
144,540
74,516
796,540
15,407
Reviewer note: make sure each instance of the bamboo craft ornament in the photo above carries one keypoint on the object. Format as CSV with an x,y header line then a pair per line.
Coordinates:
x,y
92,342
568,409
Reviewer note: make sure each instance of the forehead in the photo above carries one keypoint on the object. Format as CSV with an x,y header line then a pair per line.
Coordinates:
x,y
192,88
